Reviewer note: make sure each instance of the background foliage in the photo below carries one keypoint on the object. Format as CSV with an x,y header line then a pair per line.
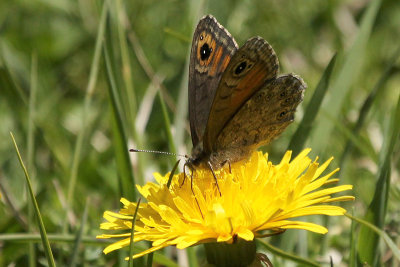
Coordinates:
x,y
76,107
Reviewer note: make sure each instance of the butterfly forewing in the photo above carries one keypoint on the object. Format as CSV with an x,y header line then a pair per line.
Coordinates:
x,y
250,68
212,49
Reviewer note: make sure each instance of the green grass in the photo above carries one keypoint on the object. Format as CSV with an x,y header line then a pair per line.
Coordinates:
x,y
81,82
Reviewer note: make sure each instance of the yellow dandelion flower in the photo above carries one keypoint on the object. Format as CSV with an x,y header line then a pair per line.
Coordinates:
x,y
255,196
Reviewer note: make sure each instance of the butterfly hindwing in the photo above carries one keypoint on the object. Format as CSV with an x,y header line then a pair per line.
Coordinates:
x,y
262,118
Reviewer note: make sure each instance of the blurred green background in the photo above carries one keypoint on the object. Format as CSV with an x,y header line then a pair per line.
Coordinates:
x,y
75,108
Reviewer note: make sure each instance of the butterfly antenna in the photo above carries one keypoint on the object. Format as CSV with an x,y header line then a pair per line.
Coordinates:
x,y
158,152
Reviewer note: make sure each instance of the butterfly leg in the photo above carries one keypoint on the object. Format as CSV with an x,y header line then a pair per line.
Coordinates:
x,y
215,177
264,259
229,164
195,198
184,172
190,166
191,182
274,232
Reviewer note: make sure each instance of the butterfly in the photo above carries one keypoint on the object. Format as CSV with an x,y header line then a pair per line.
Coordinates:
x,y
237,101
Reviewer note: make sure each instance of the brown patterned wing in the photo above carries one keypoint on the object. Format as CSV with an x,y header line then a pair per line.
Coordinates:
x,y
262,118
212,49
250,68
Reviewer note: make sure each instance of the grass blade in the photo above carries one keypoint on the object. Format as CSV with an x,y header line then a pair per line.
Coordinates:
x,y
127,181
378,88
79,235
353,243
172,173
389,242
300,136
177,35
94,70
87,240
42,229
348,73
150,259
145,108
130,100
167,122
192,257
148,69
358,141
9,86
368,239
132,234
30,144
182,104
285,255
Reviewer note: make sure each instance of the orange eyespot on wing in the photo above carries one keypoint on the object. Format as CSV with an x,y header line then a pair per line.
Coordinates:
x,y
205,48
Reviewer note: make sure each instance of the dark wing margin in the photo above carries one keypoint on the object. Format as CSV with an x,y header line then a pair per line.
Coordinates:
x,y
212,49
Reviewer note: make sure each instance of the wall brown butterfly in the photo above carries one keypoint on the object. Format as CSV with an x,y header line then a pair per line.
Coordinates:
x,y
237,101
